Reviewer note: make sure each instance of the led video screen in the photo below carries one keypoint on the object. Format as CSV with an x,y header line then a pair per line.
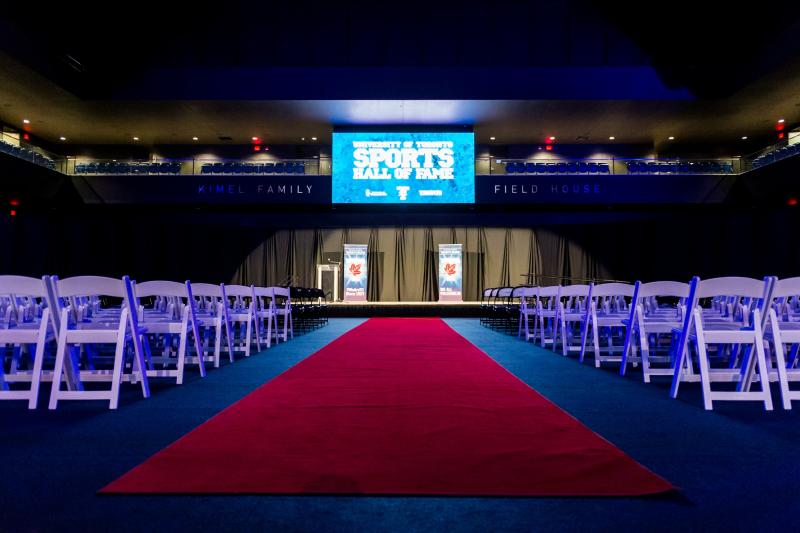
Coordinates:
x,y
403,167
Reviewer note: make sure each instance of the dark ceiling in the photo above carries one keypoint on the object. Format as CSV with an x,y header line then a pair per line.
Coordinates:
x,y
98,76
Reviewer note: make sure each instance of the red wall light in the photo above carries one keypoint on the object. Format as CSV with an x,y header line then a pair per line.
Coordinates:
x,y
14,202
256,148
549,147
791,201
13,212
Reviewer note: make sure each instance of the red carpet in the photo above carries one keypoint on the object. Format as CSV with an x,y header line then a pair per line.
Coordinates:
x,y
395,406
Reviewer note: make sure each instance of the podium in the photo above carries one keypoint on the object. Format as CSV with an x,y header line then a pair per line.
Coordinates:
x,y
329,270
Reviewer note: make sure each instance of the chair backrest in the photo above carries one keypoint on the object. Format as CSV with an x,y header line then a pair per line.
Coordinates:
x,y
504,292
241,291
207,289
90,286
161,288
23,286
263,292
18,290
613,289
549,291
575,290
673,289
782,288
528,292
281,292
733,286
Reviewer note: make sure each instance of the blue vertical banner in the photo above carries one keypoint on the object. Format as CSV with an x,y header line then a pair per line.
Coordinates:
x,y
450,273
355,272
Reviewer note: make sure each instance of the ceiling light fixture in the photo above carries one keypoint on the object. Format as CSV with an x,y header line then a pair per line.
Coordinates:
x,y
26,121
62,138
136,138
781,121
552,138
255,138
671,138
491,138
611,138
744,138
195,139
313,138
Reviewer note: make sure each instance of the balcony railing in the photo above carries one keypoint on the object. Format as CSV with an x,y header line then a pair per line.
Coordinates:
x,y
202,167
608,166
13,145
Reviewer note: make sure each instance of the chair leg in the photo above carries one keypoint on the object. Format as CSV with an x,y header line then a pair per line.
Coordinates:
x,y
38,361
761,361
119,362
61,350
780,362
247,335
182,357
705,370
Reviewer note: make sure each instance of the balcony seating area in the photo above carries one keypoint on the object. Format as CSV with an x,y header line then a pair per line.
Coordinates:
x,y
679,167
563,167
114,167
27,154
238,167
776,155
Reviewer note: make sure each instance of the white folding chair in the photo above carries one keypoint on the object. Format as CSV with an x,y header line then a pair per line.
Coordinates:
x,y
83,324
528,303
282,304
266,319
241,311
24,324
609,309
213,313
783,330
730,333
547,314
656,315
573,309
173,316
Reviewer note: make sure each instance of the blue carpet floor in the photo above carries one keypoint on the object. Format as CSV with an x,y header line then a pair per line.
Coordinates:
x,y
737,467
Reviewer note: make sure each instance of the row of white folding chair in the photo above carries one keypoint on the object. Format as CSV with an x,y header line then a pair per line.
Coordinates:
x,y
259,311
557,313
731,329
76,302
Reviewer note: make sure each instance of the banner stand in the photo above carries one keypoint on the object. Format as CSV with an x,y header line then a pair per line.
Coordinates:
x,y
355,272
450,273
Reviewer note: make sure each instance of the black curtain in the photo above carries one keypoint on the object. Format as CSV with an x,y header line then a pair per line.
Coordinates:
x,y
402,262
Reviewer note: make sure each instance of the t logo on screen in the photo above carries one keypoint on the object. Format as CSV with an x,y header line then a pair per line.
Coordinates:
x,y
403,167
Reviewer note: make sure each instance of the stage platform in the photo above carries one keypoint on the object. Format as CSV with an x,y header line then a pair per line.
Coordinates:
x,y
370,309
